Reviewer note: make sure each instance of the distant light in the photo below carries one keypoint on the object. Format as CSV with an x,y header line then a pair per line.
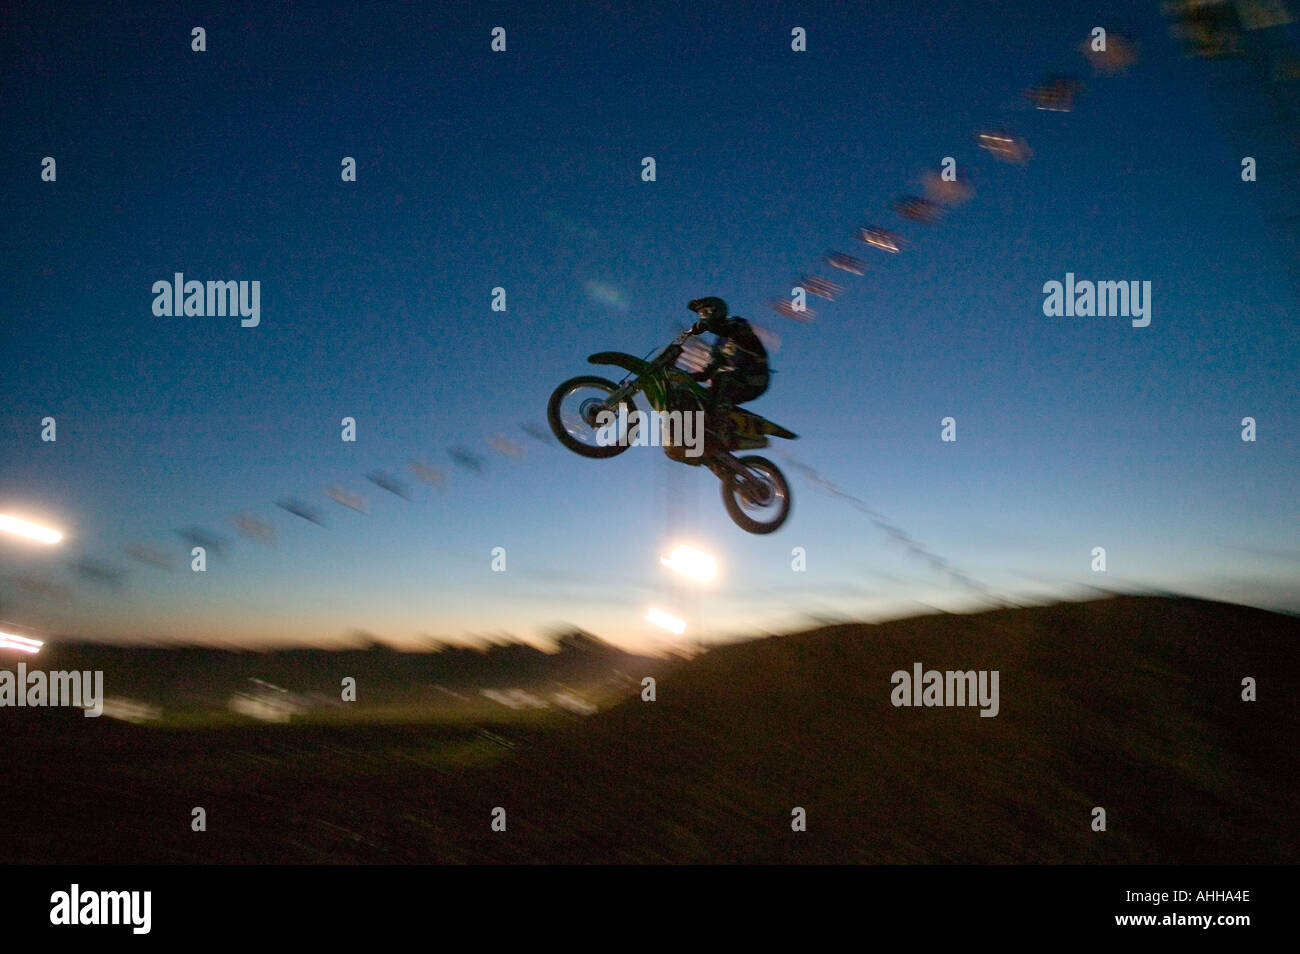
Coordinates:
x,y
30,530
20,643
664,620
691,562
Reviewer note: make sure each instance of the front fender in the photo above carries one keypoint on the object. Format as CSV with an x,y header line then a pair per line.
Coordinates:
x,y
627,361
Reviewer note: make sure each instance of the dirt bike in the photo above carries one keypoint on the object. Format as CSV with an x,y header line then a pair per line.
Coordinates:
x,y
754,490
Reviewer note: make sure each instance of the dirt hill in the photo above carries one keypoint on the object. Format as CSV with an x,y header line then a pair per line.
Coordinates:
x,y
1133,705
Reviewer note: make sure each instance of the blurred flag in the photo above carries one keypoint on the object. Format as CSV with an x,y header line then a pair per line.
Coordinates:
x,y
1055,93
389,483
350,500
466,459
821,287
433,476
503,445
253,528
783,306
151,555
537,432
1004,146
1264,14
98,572
880,238
847,263
198,537
916,209
950,192
1119,55
1210,29
300,509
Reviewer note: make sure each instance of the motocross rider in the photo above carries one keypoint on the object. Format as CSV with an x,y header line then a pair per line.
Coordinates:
x,y
737,371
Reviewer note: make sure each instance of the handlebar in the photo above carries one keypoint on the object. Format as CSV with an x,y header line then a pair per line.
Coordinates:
x,y
674,348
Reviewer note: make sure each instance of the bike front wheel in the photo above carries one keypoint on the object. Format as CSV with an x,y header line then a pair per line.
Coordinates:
x,y
574,415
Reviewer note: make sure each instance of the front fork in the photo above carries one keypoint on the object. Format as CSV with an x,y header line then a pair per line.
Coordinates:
x,y
621,394
728,464
611,403
642,382
650,380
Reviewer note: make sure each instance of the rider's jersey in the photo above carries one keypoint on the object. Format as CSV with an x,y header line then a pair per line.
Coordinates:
x,y
737,349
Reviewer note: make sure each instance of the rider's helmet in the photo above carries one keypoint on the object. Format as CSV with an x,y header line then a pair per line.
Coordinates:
x,y
712,312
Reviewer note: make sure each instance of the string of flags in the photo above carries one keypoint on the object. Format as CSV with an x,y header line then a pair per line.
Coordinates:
x,y
259,530
1056,92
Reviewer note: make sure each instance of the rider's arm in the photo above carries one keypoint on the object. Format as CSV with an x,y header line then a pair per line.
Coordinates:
x,y
704,373
715,362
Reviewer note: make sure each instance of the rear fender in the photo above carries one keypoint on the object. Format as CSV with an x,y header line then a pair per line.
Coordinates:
x,y
750,425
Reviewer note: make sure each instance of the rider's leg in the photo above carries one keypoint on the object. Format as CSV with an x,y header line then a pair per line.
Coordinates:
x,y
718,401
726,392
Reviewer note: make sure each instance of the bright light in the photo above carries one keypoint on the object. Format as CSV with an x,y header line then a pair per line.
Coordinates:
x,y
691,562
20,643
30,530
670,623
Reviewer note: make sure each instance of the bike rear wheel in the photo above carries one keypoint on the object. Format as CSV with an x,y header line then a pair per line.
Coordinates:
x,y
760,501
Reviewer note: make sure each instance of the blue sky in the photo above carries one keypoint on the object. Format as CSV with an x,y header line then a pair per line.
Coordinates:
x,y
522,170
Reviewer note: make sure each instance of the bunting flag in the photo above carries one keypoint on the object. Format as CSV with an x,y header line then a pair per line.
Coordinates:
x,y
466,459
846,263
1004,146
300,509
350,500
786,307
538,433
98,572
432,476
880,238
917,209
1055,94
198,537
821,287
253,528
389,483
504,445
151,556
